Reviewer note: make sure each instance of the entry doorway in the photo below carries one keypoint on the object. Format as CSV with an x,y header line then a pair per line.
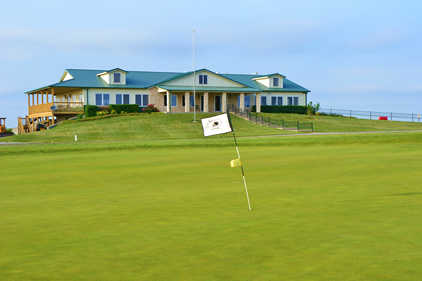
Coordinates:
x,y
217,103
202,103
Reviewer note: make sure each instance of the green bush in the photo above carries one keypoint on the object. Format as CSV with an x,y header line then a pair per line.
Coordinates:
x,y
91,110
313,108
150,108
129,108
102,112
299,109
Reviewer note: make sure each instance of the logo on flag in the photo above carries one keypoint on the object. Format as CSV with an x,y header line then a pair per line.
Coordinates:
x,y
216,125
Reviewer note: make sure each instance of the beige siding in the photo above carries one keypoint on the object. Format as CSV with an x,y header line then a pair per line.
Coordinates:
x,y
213,81
71,96
113,92
285,95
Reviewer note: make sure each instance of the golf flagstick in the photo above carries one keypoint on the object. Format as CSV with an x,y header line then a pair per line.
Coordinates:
x,y
243,172
221,124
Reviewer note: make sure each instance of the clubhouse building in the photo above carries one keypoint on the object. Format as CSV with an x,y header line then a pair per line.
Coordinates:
x,y
168,91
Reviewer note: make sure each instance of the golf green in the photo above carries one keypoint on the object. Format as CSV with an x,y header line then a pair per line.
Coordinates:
x,y
333,211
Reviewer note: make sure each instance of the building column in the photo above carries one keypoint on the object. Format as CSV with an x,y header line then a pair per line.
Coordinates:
x,y
52,95
33,99
206,109
242,102
168,101
38,99
187,102
224,103
42,97
258,102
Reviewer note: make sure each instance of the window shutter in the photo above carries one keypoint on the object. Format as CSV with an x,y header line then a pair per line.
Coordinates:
x,y
118,99
138,100
173,100
125,99
145,100
98,99
106,99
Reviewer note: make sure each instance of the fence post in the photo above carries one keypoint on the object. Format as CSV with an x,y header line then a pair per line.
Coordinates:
x,y
370,115
312,126
350,114
391,116
412,116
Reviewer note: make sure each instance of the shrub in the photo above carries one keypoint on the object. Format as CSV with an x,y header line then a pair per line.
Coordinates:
x,y
299,109
312,109
91,110
150,108
113,111
119,108
102,113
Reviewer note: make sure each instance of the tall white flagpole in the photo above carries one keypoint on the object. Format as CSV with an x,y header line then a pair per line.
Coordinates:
x,y
194,75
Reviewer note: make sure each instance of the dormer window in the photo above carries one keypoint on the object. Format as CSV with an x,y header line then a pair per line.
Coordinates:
x,y
116,77
203,79
276,82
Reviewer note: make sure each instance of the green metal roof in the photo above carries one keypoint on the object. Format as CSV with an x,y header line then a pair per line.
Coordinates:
x,y
210,89
87,78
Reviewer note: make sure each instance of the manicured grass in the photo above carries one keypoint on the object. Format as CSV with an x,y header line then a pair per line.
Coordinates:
x,y
345,124
139,127
325,208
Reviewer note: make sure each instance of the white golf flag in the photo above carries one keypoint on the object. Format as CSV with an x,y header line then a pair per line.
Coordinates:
x,y
216,125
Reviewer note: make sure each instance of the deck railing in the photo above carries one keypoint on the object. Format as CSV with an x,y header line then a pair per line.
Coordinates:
x,y
65,107
57,107
40,108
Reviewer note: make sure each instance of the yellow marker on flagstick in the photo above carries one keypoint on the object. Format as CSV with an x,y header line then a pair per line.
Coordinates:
x,y
221,124
235,163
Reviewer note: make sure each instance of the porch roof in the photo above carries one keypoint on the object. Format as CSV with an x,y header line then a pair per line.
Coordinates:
x,y
209,89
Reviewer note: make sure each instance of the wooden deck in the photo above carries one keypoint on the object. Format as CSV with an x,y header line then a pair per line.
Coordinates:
x,y
44,110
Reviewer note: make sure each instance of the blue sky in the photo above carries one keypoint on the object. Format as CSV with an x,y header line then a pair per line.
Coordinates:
x,y
351,54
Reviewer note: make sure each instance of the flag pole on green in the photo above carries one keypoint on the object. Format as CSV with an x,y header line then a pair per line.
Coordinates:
x,y
221,124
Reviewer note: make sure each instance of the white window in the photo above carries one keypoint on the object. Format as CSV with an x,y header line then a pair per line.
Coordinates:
x,y
276,82
293,100
116,77
203,79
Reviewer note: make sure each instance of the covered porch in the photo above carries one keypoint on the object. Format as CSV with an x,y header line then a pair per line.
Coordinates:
x,y
208,101
48,105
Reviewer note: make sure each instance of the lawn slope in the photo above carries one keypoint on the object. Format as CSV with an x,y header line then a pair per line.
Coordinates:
x,y
137,127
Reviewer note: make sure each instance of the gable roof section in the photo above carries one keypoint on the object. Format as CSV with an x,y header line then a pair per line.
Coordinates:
x,y
134,79
199,70
269,75
111,71
248,79
87,78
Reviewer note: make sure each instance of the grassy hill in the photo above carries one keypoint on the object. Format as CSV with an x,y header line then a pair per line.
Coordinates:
x,y
159,126
137,127
345,124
